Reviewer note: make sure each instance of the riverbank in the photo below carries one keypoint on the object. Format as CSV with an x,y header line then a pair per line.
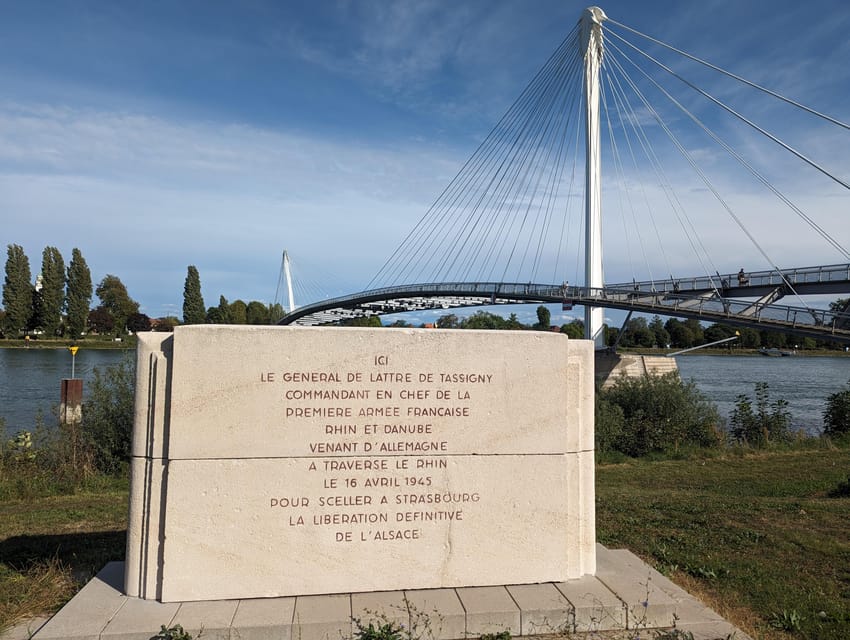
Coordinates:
x,y
128,343
760,537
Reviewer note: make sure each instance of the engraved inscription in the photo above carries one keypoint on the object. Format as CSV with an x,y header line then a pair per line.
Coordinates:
x,y
384,437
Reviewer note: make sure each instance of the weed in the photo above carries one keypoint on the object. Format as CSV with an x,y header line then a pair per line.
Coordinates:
x,y
380,627
786,620
385,631
501,635
768,424
673,634
174,633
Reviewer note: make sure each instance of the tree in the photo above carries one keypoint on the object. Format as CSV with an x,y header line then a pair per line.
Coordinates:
x,y
78,294
17,291
100,320
513,323
544,318
51,296
680,335
115,299
574,329
276,313
256,313
166,324
637,334
695,328
661,335
841,305
138,322
193,301
363,321
219,314
483,320
238,312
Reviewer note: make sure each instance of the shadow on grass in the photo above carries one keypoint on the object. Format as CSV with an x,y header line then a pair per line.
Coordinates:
x,y
83,553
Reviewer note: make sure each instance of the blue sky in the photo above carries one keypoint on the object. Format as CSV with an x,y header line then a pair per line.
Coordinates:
x,y
155,135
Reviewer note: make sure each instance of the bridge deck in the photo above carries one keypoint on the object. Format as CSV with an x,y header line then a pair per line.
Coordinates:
x,y
699,302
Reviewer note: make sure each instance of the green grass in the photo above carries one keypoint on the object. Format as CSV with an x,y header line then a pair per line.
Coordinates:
x,y
759,536
763,538
51,545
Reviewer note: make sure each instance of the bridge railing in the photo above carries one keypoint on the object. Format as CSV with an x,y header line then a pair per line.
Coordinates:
x,y
454,294
797,276
754,311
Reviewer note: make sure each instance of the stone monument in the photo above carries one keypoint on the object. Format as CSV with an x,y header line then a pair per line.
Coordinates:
x,y
279,461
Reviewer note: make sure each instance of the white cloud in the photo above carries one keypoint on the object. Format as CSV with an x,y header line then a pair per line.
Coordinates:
x,y
143,197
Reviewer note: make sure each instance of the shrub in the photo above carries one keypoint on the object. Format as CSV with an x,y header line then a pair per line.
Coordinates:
x,y
108,415
769,423
608,424
836,416
660,413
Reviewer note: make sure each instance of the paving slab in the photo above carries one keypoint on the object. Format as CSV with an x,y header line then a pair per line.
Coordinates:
x,y
24,630
595,606
625,593
263,619
440,609
214,618
380,607
136,619
647,604
720,630
543,609
489,610
86,615
322,617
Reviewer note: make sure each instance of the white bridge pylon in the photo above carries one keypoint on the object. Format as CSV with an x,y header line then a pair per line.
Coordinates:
x,y
591,52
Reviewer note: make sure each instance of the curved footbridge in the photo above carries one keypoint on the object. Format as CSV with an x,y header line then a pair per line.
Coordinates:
x,y
725,298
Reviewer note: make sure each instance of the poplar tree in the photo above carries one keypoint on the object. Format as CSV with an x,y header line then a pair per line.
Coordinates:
x,y
78,294
194,311
51,297
17,291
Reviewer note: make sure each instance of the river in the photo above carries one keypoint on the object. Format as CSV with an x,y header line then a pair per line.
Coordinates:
x,y
29,381
805,382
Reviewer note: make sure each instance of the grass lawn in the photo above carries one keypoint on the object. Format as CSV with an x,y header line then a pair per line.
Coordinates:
x,y
51,546
758,537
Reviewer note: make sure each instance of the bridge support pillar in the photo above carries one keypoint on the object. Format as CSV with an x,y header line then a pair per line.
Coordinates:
x,y
591,50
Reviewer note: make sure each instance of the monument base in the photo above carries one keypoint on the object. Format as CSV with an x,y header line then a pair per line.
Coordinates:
x,y
625,594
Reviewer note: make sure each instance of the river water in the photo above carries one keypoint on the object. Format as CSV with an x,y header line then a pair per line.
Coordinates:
x,y
805,382
29,381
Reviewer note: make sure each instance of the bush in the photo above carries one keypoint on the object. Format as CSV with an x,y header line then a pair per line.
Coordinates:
x,y
836,416
769,423
660,413
108,415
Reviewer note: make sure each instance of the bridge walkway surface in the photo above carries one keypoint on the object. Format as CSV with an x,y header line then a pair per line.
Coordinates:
x,y
625,595
699,303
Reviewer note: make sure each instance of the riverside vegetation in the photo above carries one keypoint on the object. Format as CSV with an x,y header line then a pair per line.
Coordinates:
x,y
751,517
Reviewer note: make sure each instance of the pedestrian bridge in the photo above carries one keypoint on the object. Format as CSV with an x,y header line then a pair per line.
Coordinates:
x,y
698,298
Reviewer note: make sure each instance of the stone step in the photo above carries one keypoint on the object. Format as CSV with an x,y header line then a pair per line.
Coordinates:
x,y
624,593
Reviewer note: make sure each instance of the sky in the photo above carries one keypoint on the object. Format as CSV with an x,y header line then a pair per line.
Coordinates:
x,y
157,135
